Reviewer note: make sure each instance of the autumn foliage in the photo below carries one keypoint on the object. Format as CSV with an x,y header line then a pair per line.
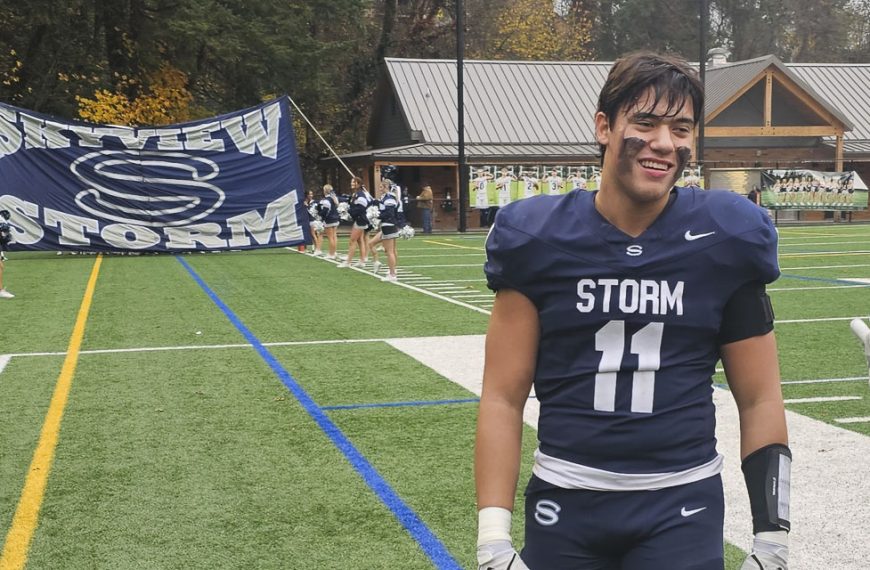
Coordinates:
x,y
533,30
163,99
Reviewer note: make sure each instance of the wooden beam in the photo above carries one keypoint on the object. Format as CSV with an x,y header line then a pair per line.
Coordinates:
x,y
400,162
794,131
768,98
838,157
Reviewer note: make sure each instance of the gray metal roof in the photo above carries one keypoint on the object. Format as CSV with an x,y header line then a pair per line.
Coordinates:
x,y
553,103
506,102
448,152
725,80
721,82
844,86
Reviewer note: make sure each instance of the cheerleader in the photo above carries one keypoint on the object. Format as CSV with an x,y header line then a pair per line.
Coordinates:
x,y
327,208
359,202
314,221
389,207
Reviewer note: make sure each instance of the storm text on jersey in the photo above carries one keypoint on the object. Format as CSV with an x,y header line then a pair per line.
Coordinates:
x,y
642,296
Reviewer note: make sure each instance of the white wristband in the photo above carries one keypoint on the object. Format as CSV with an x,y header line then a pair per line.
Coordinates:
x,y
777,537
493,523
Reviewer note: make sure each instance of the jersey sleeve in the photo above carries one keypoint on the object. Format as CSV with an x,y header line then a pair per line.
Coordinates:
x,y
753,251
761,244
507,250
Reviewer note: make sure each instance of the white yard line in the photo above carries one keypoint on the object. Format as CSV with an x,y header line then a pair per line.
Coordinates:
x,y
824,267
829,518
4,360
824,380
780,289
819,320
821,399
828,243
825,253
860,420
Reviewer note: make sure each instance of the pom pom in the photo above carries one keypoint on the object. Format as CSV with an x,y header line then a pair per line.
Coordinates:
x,y
344,211
373,213
317,226
406,232
312,212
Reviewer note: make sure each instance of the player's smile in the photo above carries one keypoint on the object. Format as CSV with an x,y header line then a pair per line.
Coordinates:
x,y
656,168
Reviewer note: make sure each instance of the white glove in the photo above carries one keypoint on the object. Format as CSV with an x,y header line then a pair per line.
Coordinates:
x,y
862,331
494,548
769,552
499,555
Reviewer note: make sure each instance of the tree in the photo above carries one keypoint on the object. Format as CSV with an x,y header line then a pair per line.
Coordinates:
x,y
534,30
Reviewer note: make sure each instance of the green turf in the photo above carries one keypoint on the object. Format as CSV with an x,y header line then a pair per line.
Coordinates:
x,y
202,458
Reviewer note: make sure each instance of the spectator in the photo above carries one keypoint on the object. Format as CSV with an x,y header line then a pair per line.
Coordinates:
x,y
754,196
425,201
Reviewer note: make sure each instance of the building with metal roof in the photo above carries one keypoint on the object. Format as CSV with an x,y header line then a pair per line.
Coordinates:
x,y
758,113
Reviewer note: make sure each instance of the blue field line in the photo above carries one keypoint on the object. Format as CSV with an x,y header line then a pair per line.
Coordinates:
x,y
401,404
826,280
429,543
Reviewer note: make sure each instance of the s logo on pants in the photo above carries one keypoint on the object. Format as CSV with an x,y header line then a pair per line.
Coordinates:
x,y
547,512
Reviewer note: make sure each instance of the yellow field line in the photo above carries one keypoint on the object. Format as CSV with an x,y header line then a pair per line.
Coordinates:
x,y
452,245
17,545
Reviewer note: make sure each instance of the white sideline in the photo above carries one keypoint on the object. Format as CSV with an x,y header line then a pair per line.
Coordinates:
x,y
4,360
830,512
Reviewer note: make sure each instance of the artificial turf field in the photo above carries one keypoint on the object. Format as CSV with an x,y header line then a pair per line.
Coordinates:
x,y
247,410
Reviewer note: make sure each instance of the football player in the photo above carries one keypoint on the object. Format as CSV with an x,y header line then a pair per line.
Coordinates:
x,y
503,184
616,306
554,183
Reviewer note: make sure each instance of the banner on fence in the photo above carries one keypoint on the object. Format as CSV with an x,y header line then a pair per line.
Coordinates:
x,y
228,182
796,189
498,185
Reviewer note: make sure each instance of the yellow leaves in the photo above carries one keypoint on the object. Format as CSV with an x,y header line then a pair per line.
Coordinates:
x,y
165,100
533,30
10,76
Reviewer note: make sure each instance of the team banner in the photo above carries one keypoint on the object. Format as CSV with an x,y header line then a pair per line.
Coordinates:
x,y
228,182
812,190
499,185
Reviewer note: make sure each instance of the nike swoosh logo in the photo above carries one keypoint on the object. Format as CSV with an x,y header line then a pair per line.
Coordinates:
x,y
692,237
688,513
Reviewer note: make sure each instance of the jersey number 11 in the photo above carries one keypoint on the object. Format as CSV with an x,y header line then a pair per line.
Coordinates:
x,y
646,344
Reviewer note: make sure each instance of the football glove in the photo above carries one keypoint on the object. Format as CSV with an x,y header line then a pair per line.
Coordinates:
x,y
499,555
769,552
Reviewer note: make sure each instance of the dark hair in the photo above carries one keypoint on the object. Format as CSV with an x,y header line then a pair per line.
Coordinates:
x,y
670,77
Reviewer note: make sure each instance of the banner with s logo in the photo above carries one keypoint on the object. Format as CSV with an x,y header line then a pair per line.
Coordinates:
x,y
228,182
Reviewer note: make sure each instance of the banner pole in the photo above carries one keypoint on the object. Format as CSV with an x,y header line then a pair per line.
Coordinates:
x,y
298,110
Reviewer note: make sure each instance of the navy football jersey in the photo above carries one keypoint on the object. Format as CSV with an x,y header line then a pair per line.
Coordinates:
x,y
629,326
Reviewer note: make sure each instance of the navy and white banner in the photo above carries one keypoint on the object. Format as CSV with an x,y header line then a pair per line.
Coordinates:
x,y
229,182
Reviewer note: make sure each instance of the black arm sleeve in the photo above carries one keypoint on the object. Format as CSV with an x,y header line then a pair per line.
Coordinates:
x,y
748,313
